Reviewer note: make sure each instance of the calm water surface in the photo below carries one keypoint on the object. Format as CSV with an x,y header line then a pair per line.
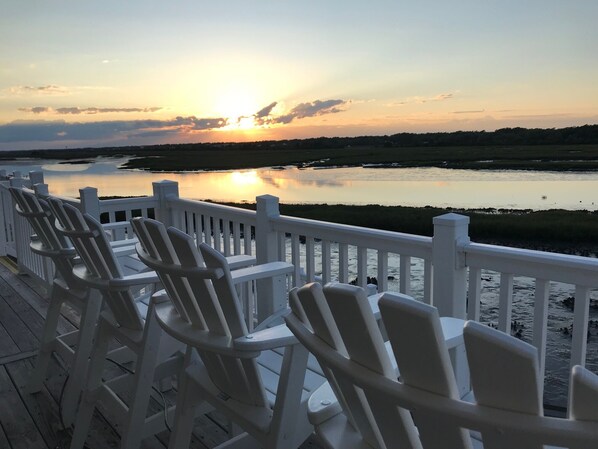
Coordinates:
x,y
388,186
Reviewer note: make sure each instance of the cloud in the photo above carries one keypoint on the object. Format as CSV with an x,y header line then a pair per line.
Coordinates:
x,y
49,131
125,131
476,111
442,97
76,110
302,110
422,100
48,89
264,112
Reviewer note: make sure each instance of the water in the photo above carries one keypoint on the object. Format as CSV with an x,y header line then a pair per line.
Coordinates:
x,y
387,186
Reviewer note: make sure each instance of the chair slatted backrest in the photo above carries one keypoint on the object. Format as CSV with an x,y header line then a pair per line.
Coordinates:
x,y
514,386
200,287
51,243
424,363
92,245
514,421
341,317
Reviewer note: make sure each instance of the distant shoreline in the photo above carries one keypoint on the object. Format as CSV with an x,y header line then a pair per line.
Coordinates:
x,y
566,149
582,158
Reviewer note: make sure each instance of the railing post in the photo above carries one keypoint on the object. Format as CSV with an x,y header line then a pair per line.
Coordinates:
x,y
272,292
36,177
164,191
450,281
17,180
450,272
41,189
90,203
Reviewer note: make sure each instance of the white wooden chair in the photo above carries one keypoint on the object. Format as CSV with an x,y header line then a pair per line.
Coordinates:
x,y
73,347
260,381
422,409
127,319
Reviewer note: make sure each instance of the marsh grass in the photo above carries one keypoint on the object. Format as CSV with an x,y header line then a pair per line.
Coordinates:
x,y
571,232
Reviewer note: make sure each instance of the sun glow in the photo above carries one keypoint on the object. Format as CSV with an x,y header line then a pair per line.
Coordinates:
x,y
237,105
247,178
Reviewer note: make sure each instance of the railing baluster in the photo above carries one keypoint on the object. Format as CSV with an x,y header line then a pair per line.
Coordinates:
x,y
541,296
188,224
382,274
428,281
474,293
226,237
310,259
326,262
216,233
237,237
247,237
580,326
282,247
405,275
362,266
207,229
343,262
296,260
505,306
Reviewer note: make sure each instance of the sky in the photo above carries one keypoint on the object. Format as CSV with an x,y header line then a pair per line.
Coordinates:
x,y
112,72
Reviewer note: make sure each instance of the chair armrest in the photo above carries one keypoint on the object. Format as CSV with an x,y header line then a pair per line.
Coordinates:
x,y
124,250
240,261
262,271
270,338
124,243
322,405
144,278
132,280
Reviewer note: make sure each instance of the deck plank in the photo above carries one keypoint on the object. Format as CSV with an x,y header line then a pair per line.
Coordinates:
x,y
14,325
32,294
41,406
17,424
7,346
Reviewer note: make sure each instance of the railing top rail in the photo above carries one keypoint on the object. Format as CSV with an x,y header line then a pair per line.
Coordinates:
x,y
390,241
68,199
134,199
565,268
228,212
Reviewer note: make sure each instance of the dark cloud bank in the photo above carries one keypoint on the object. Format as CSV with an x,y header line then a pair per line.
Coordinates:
x,y
59,130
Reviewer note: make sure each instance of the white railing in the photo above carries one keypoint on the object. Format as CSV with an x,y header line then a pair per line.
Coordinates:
x,y
10,224
447,270
334,252
512,263
228,229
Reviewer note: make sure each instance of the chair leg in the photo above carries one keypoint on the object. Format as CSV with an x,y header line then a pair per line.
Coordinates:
x,y
187,398
77,375
133,430
36,380
242,441
91,391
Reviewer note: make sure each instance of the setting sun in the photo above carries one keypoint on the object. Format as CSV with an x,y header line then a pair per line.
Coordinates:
x,y
245,122
236,104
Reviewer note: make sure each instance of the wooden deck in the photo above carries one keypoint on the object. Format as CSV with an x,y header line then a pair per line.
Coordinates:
x,y
32,421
